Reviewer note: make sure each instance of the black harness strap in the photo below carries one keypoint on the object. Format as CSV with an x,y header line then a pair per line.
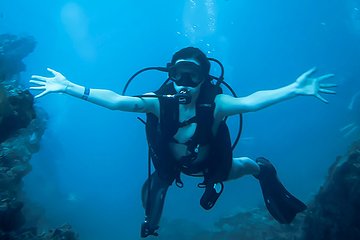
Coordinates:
x,y
187,122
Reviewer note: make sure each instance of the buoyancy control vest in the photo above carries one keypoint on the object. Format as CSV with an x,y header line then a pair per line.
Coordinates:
x,y
160,132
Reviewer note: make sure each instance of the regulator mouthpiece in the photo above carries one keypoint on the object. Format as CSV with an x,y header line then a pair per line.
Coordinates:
x,y
183,96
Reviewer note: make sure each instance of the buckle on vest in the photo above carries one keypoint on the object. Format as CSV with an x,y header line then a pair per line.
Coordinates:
x,y
179,183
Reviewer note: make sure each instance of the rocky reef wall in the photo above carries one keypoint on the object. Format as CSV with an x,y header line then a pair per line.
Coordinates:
x,y
335,212
21,128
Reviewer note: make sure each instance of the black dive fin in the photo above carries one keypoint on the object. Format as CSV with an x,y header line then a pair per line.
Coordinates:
x,y
282,205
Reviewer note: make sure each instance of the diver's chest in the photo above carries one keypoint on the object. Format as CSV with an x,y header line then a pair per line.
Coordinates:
x,y
186,132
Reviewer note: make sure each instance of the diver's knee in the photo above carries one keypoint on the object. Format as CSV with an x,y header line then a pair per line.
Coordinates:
x,y
252,167
247,164
243,166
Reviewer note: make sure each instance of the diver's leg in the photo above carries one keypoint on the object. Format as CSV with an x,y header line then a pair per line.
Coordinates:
x,y
243,166
157,197
239,167
282,205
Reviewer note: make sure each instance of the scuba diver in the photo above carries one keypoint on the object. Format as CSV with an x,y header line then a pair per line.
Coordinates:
x,y
187,133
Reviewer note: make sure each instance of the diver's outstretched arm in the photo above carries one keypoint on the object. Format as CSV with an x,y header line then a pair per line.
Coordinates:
x,y
304,85
105,98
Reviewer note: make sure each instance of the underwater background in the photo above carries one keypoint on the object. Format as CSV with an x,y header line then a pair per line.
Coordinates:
x,y
93,162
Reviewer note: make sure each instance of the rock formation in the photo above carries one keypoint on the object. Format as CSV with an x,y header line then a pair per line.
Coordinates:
x,y
21,128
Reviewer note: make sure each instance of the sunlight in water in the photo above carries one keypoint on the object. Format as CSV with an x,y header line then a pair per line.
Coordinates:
x,y
199,19
76,24
355,16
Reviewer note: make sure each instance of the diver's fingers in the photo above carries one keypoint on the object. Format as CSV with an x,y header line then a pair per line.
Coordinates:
x,y
41,94
321,98
53,71
38,82
327,91
309,72
327,85
326,76
38,88
41,78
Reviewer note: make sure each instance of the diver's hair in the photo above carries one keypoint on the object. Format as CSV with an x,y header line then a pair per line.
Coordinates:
x,y
195,53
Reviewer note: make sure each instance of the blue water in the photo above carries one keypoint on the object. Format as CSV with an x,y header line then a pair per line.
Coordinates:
x,y
92,161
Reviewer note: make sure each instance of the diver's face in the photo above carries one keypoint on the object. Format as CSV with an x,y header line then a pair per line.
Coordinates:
x,y
187,73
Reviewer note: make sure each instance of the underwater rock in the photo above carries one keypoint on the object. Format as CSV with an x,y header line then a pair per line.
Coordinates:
x,y
18,123
335,211
12,50
21,128
16,105
11,217
183,229
256,224
15,154
16,111
63,232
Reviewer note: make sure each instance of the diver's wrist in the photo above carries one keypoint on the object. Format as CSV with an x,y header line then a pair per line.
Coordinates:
x,y
67,85
74,89
295,88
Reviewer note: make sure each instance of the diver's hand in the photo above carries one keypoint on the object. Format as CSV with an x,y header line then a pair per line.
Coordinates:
x,y
306,84
58,83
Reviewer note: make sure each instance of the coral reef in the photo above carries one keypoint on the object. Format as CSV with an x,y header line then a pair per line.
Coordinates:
x,y
16,111
64,232
15,154
255,224
16,105
21,128
335,211
12,50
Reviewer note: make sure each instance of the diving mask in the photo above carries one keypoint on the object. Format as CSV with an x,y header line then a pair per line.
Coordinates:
x,y
187,73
